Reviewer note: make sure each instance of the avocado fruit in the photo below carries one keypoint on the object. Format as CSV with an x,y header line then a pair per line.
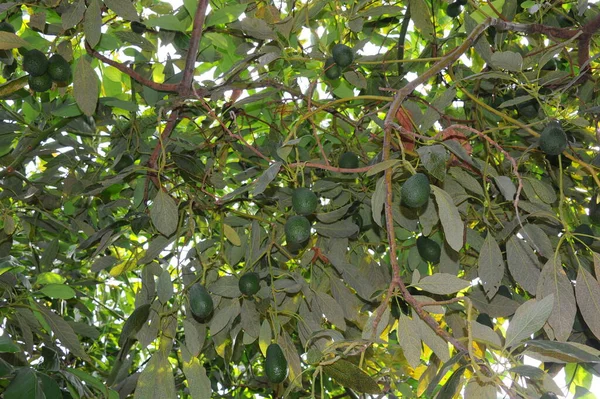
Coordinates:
x,y
40,83
59,69
276,366
35,63
201,303
297,229
342,55
553,139
138,27
7,27
332,70
429,249
348,160
304,201
415,191
453,10
249,283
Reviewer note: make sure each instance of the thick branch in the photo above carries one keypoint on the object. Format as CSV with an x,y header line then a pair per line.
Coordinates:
x,y
185,88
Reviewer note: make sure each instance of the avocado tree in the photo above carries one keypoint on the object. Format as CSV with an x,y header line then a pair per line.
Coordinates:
x,y
299,199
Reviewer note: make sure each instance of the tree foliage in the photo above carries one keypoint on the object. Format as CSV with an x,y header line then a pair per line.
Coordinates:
x,y
136,192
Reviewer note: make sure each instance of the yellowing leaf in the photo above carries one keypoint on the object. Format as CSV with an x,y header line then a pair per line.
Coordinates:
x,y
232,235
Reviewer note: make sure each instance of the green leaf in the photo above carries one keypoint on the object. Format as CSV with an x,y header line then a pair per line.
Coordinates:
x,y
378,200
93,23
63,331
73,14
587,290
85,86
8,346
477,389
156,381
134,323
9,41
198,382
421,15
554,282
434,158
508,60
123,8
165,287
381,166
225,15
49,278
528,319
562,352
409,340
350,376
442,284
169,22
522,264
58,291
164,213
450,218
491,266
266,178
24,385
341,229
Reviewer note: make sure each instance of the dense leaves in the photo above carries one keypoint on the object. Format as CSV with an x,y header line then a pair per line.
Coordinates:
x,y
298,199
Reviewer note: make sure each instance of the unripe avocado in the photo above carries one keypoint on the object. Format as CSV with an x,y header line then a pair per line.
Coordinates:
x,y
342,55
40,83
138,27
415,191
201,303
584,235
6,27
58,68
276,365
332,70
304,201
297,229
453,10
553,139
429,249
249,284
484,318
348,160
35,63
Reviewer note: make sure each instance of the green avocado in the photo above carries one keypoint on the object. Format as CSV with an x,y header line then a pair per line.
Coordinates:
x,y
342,55
332,70
415,191
453,10
348,160
276,365
58,68
40,83
297,229
35,62
304,201
429,249
249,284
553,140
201,303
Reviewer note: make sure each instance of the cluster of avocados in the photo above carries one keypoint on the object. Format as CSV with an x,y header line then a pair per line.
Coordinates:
x,y
297,227
42,71
454,9
341,57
